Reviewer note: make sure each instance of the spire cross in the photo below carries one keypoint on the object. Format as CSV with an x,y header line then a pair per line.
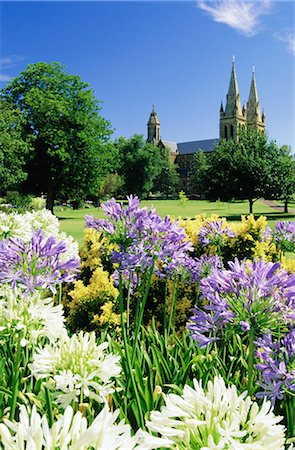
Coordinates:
x,y
253,69
153,107
234,59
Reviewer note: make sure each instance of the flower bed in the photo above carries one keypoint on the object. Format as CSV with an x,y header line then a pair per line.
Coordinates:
x,y
159,334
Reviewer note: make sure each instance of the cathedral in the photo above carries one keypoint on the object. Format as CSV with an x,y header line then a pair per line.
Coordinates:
x,y
231,119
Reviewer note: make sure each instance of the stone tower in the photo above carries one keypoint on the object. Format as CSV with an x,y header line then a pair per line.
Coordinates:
x,y
233,116
255,120
153,131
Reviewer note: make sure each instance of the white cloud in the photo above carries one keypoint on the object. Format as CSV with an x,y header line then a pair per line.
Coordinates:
x,y
10,61
243,16
4,77
289,38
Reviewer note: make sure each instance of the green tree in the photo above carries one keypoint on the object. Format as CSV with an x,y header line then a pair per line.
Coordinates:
x,y
13,148
282,172
167,182
198,173
242,169
69,156
141,163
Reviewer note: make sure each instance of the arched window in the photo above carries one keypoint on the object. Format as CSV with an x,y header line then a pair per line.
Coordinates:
x,y
225,132
231,131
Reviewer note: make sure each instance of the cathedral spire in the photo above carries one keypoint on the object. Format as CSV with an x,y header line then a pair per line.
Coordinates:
x,y
232,117
233,103
253,108
254,118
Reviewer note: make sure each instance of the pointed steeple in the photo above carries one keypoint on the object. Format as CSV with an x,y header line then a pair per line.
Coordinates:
x,y
232,117
153,128
233,103
254,117
253,108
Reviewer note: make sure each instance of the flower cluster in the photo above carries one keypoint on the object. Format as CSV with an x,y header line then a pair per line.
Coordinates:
x,y
284,235
29,316
70,431
258,295
76,367
143,239
215,233
277,365
217,418
245,239
22,226
36,264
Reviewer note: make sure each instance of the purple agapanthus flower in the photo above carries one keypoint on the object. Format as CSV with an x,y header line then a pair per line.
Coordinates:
x,y
37,264
277,366
284,235
214,233
258,295
144,240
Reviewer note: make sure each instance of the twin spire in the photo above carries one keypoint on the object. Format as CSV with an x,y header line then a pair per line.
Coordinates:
x,y
233,116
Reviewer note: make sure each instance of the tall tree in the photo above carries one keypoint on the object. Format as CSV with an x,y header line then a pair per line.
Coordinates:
x,y
198,173
141,163
13,148
69,154
282,172
167,182
243,169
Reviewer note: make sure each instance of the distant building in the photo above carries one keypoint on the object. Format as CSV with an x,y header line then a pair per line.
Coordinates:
x,y
232,118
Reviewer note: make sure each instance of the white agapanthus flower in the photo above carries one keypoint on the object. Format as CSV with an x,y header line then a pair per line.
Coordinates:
x,y
72,247
76,368
43,219
68,432
30,316
217,418
50,226
15,226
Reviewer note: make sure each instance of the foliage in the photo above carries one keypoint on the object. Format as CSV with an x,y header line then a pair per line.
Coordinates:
x,y
244,239
156,378
167,181
182,198
245,169
90,304
140,165
13,147
61,120
198,173
283,175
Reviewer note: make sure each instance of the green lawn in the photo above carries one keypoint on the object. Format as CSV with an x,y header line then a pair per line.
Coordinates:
x,y
73,222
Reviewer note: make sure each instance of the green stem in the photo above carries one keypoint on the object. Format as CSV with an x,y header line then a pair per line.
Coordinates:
x,y
128,308
251,361
173,306
141,311
49,406
289,407
165,308
15,379
129,374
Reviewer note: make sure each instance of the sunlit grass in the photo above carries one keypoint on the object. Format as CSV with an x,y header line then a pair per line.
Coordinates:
x,y
73,221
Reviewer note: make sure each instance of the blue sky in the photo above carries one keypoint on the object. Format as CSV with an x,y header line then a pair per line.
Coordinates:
x,y
176,55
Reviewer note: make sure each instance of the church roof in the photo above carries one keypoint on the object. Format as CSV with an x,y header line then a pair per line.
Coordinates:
x,y
171,145
207,145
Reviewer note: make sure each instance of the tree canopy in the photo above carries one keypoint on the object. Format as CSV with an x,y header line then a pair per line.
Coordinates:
x,y
246,169
140,164
61,118
13,148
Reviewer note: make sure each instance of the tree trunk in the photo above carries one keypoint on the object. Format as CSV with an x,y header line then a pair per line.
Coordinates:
x,y
285,206
50,198
251,205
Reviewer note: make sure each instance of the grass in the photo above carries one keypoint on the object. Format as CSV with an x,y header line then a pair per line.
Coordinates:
x,y
73,222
